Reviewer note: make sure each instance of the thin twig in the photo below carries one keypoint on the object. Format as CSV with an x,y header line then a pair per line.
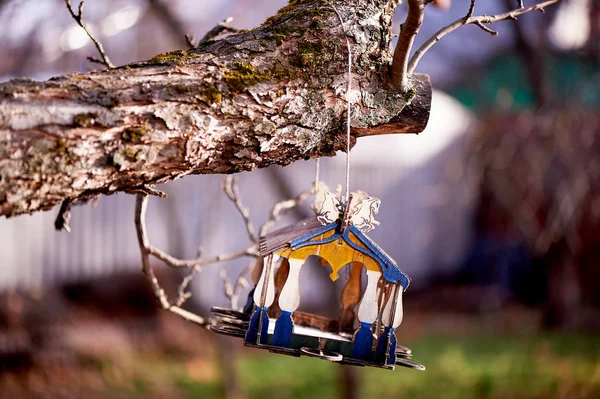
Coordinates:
x,y
283,207
146,190
230,188
189,40
410,28
182,293
486,29
477,21
64,216
222,27
78,17
471,9
141,205
173,262
148,249
232,291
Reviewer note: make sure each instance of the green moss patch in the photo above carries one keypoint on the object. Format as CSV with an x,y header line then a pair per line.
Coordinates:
x,y
243,75
212,95
134,133
173,57
86,120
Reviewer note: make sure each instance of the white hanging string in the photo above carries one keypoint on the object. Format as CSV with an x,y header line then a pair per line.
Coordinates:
x,y
348,87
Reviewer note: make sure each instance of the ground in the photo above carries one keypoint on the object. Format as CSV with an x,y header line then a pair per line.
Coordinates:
x,y
497,354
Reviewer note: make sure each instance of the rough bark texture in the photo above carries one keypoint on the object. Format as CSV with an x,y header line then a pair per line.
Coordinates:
x,y
274,94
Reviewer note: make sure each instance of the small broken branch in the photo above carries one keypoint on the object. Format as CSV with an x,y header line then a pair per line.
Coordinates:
x,y
64,216
401,76
222,27
78,17
479,21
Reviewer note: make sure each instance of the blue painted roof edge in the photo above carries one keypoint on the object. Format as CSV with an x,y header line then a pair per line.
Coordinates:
x,y
390,270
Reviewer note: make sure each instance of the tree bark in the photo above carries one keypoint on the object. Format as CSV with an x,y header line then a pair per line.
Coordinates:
x,y
271,95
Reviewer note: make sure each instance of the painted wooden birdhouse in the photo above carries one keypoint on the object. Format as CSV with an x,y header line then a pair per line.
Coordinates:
x,y
364,336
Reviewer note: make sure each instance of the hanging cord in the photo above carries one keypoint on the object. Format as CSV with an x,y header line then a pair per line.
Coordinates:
x,y
348,87
317,173
347,102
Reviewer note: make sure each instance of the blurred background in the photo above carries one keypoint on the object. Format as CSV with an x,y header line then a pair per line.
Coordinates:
x,y
494,211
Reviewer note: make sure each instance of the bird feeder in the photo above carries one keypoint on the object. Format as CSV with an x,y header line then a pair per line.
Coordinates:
x,y
363,338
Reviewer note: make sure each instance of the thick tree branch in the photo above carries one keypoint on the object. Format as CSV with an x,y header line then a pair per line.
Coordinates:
x,y
272,95
479,21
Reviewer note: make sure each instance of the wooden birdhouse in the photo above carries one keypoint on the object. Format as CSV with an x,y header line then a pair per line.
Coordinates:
x,y
363,337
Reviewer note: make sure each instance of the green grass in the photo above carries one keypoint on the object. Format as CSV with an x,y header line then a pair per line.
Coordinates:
x,y
546,366
551,366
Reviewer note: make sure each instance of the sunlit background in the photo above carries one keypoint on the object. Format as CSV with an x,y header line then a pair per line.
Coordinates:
x,y
494,211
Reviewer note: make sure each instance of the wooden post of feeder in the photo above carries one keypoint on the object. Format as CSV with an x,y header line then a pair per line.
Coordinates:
x,y
367,315
393,314
264,295
289,300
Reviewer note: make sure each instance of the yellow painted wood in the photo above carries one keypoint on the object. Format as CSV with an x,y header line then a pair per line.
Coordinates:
x,y
336,253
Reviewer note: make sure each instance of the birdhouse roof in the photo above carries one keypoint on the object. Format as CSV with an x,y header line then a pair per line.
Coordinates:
x,y
307,232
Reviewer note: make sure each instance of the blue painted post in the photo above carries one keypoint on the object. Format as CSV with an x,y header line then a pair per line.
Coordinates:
x,y
367,315
264,295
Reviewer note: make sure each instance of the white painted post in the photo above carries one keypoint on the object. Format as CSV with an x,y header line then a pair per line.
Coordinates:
x,y
367,310
387,311
270,288
289,299
367,315
264,295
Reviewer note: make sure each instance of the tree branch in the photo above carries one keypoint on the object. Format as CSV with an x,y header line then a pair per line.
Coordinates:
x,y
479,21
222,27
231,291
78,17
246,101
414,19
141,204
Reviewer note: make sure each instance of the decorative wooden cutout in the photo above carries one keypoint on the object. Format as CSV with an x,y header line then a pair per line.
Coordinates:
x,y
350,298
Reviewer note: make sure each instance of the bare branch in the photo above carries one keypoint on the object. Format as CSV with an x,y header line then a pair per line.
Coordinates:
x,y
486,29
171,261
230,188
471,9
410,28
281,208
189,40
182,293
146,191
232,292
78,17
222,27
478,21
64,216
141,205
